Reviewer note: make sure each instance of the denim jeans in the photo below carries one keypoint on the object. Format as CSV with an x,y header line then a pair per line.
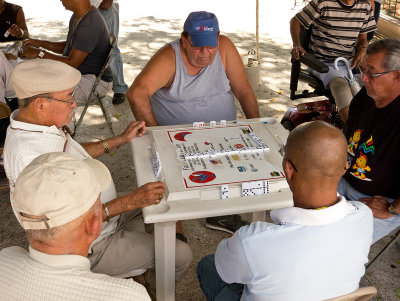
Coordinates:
x,y
111,16
382,227
214,288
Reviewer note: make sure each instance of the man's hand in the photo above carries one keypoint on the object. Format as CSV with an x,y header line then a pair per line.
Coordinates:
x,y
146,195
297,51
356,62
15,31
105,4
379,206
29,52
134,129
31,42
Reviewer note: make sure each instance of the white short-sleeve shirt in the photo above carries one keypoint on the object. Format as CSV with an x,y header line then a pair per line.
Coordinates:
x,y
35,275
26,141
305,255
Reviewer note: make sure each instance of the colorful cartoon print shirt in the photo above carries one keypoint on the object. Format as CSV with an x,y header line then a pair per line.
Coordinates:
x,y
373,137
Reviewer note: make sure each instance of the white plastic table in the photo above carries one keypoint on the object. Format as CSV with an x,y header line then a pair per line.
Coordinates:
x,y
166,214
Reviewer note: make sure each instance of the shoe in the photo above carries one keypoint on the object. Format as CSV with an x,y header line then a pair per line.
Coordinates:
x,y
227,223
181,237
118,98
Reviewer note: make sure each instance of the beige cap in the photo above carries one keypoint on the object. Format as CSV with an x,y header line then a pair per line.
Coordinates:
x,y
56,188
38,76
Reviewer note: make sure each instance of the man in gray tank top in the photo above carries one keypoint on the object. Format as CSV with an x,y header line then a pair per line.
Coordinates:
x,y
190,80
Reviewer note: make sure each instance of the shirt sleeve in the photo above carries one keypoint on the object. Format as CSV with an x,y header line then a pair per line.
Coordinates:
x,y
309,13
369,22
231,260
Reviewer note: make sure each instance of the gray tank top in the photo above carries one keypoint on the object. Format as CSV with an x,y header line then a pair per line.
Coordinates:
x,y
202,97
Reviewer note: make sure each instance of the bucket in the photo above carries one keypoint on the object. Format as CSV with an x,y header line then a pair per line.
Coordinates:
x,y
253,69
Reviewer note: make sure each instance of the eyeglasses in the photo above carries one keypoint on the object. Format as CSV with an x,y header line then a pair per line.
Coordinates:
x,y
70,102
372,76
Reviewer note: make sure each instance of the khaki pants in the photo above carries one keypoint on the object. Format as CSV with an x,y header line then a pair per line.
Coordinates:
x,y
131,248
84,87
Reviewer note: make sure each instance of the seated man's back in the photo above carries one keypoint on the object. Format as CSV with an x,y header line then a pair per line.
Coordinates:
x,y
57,202
67,278
305,255
315,250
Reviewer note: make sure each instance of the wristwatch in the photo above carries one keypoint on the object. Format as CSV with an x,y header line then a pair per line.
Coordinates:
x,y
392,210
41,54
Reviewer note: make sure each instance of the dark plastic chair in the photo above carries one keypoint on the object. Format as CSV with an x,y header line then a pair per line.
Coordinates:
x,y
93,96
299,73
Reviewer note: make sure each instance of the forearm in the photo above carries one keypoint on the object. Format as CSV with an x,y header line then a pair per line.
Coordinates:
x,y
56,47
295,31
145,195
95,149
118,206
141,108
249,104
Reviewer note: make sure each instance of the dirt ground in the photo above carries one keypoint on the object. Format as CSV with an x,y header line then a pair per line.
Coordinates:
x,y
144,29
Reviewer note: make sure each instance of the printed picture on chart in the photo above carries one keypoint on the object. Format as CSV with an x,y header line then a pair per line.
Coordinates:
x,y
222,155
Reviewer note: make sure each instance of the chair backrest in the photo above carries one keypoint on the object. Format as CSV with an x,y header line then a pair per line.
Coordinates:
x,y
113,42
297,73
362,294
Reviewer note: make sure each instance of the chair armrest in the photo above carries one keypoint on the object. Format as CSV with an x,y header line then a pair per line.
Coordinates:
x,y
310,61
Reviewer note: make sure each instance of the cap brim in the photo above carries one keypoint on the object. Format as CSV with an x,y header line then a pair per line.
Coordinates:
x,y
204,39
101,171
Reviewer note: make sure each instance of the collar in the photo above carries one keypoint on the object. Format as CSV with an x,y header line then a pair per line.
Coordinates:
x,y
347,6
30,127
60,261
309,217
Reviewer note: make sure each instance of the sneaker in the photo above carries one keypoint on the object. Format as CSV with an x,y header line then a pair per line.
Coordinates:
x,y
227,223
118,98
181,237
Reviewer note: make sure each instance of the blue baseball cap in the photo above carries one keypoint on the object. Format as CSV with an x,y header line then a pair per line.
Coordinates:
x,y
203,28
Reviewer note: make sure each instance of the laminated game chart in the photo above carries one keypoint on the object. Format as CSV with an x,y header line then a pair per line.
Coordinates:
x,y
218,161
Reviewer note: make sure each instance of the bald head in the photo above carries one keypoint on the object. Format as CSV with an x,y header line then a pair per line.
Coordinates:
x,y
317,149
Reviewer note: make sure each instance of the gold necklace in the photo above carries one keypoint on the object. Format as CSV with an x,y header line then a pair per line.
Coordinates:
x,y
77,20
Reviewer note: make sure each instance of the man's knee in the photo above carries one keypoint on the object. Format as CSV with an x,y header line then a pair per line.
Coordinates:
x,y
183,259
341,92
205,266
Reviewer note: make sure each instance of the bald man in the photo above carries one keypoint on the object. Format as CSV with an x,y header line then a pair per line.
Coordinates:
x,y
313,251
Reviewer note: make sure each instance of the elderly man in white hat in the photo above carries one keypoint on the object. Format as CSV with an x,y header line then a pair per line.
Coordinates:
x,y
45,94
57,202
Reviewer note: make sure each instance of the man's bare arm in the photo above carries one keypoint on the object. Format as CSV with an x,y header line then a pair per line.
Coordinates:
x,y
295,27
19,29
237,76
362,44
134,129
158,73
144,196
56,47
75,58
